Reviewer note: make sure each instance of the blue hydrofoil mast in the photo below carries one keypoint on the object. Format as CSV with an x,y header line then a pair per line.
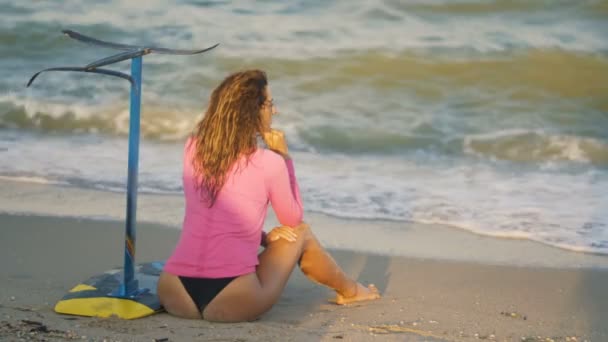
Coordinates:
x,y
129,288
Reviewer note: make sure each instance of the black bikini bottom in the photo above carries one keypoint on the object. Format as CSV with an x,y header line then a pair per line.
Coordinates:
x,y
203,290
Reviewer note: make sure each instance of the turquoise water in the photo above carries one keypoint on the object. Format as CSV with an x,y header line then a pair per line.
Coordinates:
x,y
489,116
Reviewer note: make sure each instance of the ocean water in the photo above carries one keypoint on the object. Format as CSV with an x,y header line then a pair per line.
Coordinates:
x,y
489,116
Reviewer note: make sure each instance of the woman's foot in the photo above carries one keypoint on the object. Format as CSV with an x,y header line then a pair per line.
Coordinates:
x,y
363,293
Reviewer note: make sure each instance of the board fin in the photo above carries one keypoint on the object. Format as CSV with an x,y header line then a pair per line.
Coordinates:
x,y
125,47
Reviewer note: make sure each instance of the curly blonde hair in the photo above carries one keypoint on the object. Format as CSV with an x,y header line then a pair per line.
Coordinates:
x,y
228,130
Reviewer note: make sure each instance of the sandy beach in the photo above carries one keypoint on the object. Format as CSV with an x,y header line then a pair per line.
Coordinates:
x,y
424,298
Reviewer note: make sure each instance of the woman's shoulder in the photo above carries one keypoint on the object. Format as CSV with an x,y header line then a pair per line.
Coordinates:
x,y
190,142
268,158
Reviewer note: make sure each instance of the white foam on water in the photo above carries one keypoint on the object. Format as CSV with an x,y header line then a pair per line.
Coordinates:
x,y
571,148
535,145
165,123
313,31
563,209
559,209
57,108
91,161
32,179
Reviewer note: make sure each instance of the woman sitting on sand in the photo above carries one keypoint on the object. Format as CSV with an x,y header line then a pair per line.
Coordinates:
x,y
215,271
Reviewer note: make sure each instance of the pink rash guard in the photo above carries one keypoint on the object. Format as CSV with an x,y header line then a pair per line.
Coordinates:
x,y
223,241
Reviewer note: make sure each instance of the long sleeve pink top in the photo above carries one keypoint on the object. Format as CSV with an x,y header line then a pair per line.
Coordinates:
x,y
223,241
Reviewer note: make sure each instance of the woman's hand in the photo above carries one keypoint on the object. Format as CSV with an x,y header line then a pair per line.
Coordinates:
x,y
275,140
281,232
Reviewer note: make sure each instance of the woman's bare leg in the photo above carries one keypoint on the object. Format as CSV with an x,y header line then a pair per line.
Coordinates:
x,y
249,296
318,265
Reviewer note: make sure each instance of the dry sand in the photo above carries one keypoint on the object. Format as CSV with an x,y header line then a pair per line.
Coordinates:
x,y
42,257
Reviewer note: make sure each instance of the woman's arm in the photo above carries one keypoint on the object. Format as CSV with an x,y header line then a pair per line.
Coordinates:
x,y
284,192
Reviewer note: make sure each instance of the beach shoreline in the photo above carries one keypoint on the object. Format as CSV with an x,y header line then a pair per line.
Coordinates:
x,y
423,241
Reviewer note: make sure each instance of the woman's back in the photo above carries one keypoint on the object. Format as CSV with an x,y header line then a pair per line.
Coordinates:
x,y
223,240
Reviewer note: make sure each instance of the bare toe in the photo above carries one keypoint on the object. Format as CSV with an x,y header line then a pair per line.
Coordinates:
x,y
363,293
